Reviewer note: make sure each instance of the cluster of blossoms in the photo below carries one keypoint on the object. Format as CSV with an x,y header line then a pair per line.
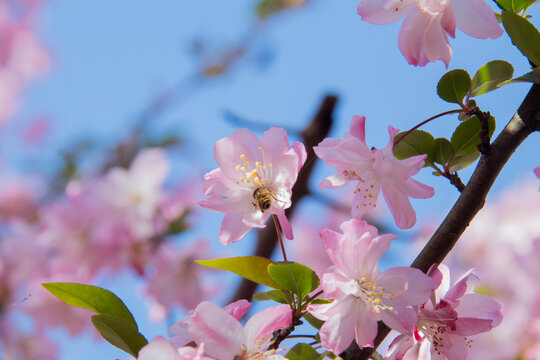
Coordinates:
x,y
101,226
22,57
424,33
217,334
423,308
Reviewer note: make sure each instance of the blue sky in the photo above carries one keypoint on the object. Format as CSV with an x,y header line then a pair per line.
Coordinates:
x,y
111,58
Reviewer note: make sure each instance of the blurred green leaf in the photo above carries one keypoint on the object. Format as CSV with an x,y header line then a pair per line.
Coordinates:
x,y
454,85
93,298
490,76
524,35
295,277
531,76
120,333
254,268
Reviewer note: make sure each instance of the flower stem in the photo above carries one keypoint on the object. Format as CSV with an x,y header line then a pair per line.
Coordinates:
x,y
425,122
278,231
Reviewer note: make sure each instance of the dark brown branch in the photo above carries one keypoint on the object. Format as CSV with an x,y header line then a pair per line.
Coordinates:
x,y
525,122
317,130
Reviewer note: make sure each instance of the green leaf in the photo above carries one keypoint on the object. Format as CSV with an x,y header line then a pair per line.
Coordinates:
x,y
295,277
120,333
462,161
444,151
531,76
454,85
466,137
90,297
524,35
313,321
490,76
280,296
303,351
514,5
254,268
416,143
320,301
465,140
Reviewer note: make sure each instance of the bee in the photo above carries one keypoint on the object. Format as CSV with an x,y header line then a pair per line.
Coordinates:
x,y
263,198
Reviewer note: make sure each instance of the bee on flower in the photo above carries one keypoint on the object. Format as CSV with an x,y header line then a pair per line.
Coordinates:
x,y
253,181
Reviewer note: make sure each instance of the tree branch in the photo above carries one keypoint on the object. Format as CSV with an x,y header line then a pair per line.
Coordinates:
x,y
317,130
472,199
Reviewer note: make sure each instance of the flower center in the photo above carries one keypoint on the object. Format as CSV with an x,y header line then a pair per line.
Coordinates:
x,y
256,175
373,295
365,188
434,330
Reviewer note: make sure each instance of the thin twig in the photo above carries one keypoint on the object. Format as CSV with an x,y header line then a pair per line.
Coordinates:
x,y
278,232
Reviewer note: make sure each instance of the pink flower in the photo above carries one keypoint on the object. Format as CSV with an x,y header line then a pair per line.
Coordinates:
x,y
445,322
223,336
537,172
374,170
428,23
363,294
253,181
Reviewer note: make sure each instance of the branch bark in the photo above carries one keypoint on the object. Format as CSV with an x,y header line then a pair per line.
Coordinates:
x,y
472,199
317,130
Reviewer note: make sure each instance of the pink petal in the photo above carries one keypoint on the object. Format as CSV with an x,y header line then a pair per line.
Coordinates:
x,y
537,172
285,225
379,245
262,324
399,204
338,332
382,12
436,43
238,308
220,332
301,153
481,307
418,289
228,150
334,181
159,348
411,38
476,18
232,228
399,347
216,183
417,190
358,126
366,196
402,319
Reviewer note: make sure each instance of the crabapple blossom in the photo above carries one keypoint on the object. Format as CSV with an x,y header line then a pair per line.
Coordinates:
x,y
222,334
363,294
446,321
375,170
254,180
424,33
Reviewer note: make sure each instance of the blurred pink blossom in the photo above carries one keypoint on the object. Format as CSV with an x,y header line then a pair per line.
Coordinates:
x,y
177,279
424,33
254,180
363,294
375,170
